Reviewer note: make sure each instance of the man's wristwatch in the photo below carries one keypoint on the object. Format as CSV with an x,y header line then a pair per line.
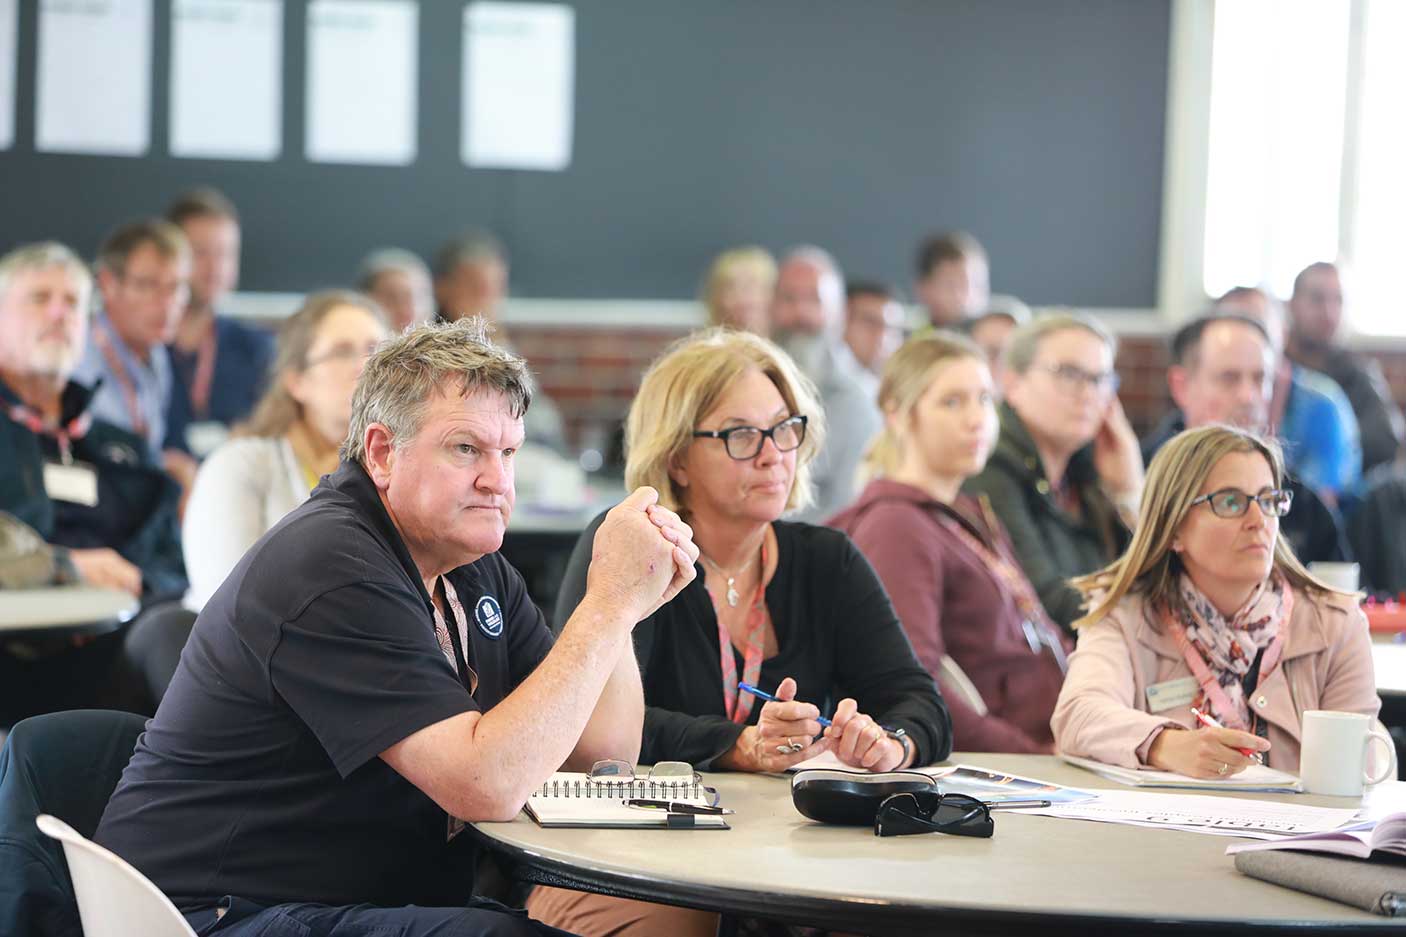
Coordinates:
x,y
901,736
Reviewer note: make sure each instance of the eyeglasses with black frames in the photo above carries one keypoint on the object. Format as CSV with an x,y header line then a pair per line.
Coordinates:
x,y
1232,502
745,442
931,812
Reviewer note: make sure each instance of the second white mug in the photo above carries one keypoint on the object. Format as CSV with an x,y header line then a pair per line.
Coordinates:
x,y
1333,759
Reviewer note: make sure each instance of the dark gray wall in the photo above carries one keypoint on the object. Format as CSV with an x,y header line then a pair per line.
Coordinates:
x,y
1036,124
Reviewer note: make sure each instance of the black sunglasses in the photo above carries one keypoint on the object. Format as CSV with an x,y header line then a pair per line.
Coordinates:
x,y
931,812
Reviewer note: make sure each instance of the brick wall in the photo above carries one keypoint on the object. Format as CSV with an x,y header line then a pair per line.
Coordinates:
x,y
592,373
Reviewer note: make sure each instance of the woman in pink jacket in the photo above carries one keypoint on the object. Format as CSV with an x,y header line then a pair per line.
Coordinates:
x,y
1208,608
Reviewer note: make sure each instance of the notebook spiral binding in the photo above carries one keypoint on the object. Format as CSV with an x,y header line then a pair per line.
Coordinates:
x,y
638,787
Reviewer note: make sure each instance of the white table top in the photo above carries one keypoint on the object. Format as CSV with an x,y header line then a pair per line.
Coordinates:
x,y
1389,657
1035,871
65,608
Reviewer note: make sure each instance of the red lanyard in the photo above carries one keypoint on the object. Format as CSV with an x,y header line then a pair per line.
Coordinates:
x,y
1005,574
1210,686
204,374
124,380
739,706
33,421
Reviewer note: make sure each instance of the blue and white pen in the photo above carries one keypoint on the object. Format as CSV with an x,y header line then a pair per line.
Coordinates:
x,y
763,694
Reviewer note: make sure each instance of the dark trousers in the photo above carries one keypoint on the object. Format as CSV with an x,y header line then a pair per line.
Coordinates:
x,y
482,918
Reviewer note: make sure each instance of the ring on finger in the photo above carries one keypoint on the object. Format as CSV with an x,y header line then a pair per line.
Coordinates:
x,y
1223,769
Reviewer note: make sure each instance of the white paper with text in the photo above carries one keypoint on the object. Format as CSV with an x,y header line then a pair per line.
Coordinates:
x,y
519,75
93,88
362,78
227,78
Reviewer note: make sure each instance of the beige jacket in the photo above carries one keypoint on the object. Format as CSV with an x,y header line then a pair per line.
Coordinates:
x,y
1102,709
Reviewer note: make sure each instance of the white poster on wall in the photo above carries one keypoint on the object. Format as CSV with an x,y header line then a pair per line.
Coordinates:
x,y
9,30
519,75
227,78
93,90
361,81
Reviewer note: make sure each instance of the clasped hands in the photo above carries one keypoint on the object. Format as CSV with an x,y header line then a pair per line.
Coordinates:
x,y
786,731
642,556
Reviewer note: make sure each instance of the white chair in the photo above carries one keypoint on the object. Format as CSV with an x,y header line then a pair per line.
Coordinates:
x,y
114,899
953,677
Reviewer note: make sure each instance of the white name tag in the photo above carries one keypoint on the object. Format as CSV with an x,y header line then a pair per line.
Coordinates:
x,y
76,483
1171,694
204,437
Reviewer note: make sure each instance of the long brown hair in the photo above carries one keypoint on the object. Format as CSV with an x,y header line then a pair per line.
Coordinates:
x,y
276,410
1150,567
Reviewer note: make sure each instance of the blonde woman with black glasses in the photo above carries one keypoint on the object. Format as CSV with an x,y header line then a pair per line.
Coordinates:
x,y
725,428
1209,609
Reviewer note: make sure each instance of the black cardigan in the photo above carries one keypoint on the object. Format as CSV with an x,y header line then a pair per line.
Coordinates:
x,y
836,631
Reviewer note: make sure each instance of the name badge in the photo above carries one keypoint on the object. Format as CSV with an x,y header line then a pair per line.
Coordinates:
x,y
76,483
204,437
1170,694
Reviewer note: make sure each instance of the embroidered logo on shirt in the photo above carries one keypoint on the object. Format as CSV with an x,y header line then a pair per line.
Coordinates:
x,y
489,616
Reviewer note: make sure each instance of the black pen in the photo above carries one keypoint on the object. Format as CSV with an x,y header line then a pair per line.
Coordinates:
x,y
675,806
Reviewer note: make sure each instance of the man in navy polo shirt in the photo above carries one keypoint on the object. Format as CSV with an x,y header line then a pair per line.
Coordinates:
x,y
372,674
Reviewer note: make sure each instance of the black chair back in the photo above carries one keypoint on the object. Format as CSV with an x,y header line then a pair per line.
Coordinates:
x,y
66,764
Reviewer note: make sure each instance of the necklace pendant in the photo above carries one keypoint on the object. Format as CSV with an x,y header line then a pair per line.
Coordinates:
x,y
732,594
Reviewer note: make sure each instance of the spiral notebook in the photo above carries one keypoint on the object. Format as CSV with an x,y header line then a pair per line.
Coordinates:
x,y
573,799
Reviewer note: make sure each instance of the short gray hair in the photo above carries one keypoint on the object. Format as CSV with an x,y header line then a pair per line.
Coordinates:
x,y
385,260
43,255
1025,341
407,370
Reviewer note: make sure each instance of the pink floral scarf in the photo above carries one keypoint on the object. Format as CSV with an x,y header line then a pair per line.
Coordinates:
x,y
1229,646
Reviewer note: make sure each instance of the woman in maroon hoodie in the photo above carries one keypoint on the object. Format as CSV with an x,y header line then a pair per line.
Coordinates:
x,y
944,557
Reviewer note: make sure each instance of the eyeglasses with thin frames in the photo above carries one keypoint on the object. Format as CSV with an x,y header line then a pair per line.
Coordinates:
x,y
342,354
673,777
745,442
1073,379
1232,502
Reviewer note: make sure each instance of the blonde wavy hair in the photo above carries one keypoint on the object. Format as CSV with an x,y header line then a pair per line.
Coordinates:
x,y
686,382
1149,567
906,378
747,261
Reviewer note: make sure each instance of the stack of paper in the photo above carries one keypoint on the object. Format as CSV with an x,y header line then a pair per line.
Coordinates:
x,y
1385,835
1253,778
1195,813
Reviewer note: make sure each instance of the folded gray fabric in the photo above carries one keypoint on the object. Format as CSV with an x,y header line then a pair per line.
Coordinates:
x,y
1377,884
26,561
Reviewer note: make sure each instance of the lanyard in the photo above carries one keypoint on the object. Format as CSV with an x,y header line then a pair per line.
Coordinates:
x,y
204,376
456,638
1210,686
123,378
1039,631
65,433
738,706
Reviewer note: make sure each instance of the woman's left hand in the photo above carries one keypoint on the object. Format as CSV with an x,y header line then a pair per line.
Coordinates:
x,y
860,742
1117,456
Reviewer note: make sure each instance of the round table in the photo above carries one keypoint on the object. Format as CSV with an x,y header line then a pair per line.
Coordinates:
x,y
1035,875
64,610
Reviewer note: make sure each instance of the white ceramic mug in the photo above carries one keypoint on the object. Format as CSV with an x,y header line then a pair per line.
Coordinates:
x,y
1341,576
1333,759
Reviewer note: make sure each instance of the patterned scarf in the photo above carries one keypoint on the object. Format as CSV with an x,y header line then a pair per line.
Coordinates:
x,y
1229,646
